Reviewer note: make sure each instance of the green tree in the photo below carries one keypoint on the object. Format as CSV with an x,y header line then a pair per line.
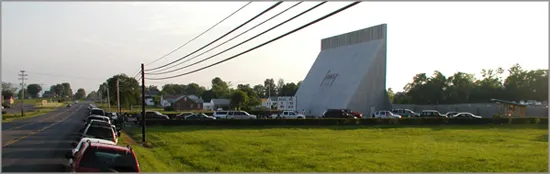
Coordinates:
x,y
220,88
34,90
194,89
391,95
238,99
288,89
92,95
8,89
130,90
270,87
67,91
253,99
260,91
80,94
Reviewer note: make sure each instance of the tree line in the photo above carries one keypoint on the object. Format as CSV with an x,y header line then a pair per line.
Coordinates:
x,y
62,90
241,95
462,87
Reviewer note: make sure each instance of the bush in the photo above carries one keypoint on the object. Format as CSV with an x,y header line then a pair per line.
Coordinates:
x,y
373,121
169,108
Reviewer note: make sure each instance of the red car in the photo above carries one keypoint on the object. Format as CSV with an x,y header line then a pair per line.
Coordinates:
x,y
97,157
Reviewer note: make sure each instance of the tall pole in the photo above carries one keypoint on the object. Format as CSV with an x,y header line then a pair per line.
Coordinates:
x,y
23,78
142,104
118,95
108,99
269,96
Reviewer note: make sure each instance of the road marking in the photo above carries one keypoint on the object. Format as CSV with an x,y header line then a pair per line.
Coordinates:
x,y
40,130
34,122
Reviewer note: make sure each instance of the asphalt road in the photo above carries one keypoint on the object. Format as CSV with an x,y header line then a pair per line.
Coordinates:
x,y
39,144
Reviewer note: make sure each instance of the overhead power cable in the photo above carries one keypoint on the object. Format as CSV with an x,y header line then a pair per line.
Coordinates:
x,y
257,25
258,35
243,24
200,34
265,43
56,75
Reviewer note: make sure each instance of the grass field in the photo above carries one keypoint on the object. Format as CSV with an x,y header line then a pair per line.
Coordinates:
x,y
49,107
482,148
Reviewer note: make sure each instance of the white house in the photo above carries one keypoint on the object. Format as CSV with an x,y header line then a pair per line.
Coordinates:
x,y
286,103
208,106
149,102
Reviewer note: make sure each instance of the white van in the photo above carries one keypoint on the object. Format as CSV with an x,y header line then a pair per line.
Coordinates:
x,y
239,115
220,114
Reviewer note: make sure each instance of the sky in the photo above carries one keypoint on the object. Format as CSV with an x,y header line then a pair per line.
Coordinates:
x,y
85,43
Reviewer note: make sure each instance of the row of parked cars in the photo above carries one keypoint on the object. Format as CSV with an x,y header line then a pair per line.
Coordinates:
x,y
396,113
96,148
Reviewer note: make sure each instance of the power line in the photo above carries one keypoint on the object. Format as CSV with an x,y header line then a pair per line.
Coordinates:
x,y
265,43
56,75
201,33
243,24
258,35
228,39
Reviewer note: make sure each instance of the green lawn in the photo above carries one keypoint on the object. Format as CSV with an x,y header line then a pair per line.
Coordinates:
x,y
40,110
483,148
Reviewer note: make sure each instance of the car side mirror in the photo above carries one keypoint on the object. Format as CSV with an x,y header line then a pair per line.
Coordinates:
x,y
74,144
69,154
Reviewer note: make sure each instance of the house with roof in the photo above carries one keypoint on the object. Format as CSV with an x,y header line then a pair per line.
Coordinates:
x,y
271,101
168,100
188,102
214,104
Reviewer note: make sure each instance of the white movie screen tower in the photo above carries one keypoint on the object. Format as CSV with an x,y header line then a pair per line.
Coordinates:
x,y
349,73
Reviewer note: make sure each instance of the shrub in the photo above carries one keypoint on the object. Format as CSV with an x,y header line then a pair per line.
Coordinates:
x,y
169,108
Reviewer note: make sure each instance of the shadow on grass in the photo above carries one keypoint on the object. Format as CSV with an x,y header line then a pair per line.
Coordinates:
x,y
542,138
137,130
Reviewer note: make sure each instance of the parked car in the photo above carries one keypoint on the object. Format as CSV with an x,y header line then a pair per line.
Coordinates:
x,y
101,123
385,114
337,113
354,113
200,116
432,113
152,115
99,157
288,115
96,117
466,115
100,132
182,115
220,114
69,105
404,112
451,114
97,111
240,115
78,144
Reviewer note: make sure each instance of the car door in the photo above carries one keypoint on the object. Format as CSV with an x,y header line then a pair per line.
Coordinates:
x,y
241,115
291,115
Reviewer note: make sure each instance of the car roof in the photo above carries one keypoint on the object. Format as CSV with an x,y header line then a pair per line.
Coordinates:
x,y
97,140
429,111
109,146
98,116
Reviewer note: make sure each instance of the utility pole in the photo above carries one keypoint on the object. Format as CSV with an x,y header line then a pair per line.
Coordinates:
x,y
118,95
108,99
23,78
143,104
269,96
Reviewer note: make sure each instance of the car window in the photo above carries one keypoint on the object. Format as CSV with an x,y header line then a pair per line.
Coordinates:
x,y
98,112
101,158
100,132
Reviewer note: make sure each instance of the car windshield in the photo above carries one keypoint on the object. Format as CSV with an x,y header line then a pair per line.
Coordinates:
x,y
100,123
102,158
97,118
100,132
98,112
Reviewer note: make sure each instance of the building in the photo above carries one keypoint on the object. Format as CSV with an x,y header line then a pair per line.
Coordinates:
x,y
270,102
220,103
286,103
349,72
186,103
207,106
168,100
149,101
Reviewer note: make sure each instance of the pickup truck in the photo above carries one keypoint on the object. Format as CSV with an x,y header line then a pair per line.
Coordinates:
x,y
289,115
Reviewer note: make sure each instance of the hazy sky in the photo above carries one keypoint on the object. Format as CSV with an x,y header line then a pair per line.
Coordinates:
x,y
88,42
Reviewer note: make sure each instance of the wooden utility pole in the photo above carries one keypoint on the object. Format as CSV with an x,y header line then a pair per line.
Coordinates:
x,y
143,104
118,95
23,78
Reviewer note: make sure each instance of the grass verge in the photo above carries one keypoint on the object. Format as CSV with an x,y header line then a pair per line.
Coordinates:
x,y
40,110
449,148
